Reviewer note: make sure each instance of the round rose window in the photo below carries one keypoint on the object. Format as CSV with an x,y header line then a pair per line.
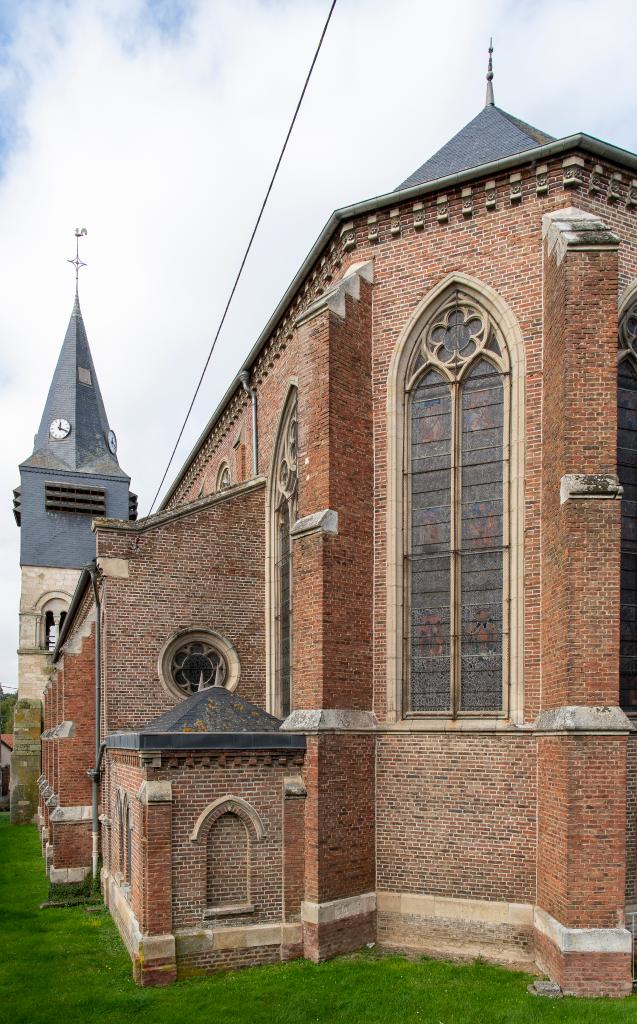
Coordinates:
x,y
196,665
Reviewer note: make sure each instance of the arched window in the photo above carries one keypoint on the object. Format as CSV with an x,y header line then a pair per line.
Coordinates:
x,y
224,479
457,523
283,501
53,614
125,837
627,473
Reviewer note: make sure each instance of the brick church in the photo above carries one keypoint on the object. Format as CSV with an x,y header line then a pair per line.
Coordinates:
x,y
369,674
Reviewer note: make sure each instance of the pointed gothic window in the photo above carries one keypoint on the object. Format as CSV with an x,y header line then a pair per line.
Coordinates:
x,y
456,494
283,497
627,472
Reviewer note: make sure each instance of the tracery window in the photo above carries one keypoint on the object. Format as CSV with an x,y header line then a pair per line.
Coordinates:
x,y
284,487
627,473
196,665
194,660
125,836
456,538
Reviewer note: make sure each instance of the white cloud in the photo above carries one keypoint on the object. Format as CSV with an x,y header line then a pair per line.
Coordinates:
x,y
157,126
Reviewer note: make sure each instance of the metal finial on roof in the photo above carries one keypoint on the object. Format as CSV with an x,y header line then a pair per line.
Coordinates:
x,y
77,262
490,102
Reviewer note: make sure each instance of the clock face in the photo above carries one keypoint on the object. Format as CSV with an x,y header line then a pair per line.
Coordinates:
x,y
60,429
112,441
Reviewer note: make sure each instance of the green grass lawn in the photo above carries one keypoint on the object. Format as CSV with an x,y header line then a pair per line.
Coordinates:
x,y
59,966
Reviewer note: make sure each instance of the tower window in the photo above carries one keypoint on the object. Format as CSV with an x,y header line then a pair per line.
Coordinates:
x,y
50,632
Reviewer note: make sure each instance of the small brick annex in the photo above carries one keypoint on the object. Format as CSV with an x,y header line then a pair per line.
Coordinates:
x,y
511,835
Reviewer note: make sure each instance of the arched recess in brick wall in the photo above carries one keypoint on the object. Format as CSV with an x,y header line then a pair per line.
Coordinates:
x,y
627,473
281,503
488,345
124,836
225,831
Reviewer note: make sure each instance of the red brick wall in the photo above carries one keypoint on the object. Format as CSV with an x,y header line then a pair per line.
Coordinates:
x,y
456,815
582,829
205,570
197,782
340,817
227,862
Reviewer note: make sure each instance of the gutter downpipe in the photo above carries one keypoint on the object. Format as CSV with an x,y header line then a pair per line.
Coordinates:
x,y
244,377
94,773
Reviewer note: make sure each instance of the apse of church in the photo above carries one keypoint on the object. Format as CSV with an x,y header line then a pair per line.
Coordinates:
x,y
367,675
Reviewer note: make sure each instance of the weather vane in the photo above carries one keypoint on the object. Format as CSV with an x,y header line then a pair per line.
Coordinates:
x,y
77,262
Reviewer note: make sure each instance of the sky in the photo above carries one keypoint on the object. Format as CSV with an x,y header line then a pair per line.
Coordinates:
x,y
156,125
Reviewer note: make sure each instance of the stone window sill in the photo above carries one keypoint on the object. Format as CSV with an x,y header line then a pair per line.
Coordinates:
x,y
231,909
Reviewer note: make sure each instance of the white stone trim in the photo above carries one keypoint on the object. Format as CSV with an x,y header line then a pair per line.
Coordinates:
x,y
338,910
452,908
582,940
574,718
575,229
576,486
325,521
113,568
204,940
333,298
67,876
72,815
330,720
232,802
155,792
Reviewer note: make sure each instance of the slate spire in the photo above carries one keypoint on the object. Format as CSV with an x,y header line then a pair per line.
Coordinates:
x,y
75,397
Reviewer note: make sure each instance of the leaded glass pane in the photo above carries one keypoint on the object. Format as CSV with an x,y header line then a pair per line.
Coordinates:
x,y
430,557
284,609
627,472
481,539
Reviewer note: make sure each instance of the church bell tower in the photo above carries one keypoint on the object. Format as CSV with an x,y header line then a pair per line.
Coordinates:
x,y
72,476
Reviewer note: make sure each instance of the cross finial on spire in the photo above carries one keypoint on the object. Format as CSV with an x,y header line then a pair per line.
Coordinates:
x,y
490,102
77,262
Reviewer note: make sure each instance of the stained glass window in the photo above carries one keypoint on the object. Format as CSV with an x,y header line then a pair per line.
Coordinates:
x,y
457,556
627,473
284,497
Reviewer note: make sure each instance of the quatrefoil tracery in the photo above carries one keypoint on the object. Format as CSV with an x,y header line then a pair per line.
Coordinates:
x,y
455,336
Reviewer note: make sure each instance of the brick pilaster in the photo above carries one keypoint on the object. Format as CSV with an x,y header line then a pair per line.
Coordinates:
x,y
579,925
332,634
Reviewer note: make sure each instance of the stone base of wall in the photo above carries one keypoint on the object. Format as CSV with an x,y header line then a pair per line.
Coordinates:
x,y
205,950
160,959
457,929
338,926
584,961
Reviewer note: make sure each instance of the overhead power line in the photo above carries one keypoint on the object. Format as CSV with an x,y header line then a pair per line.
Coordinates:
x,y
247,252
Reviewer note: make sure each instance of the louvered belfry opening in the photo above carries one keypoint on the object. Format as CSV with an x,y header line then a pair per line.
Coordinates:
x,y
457,547
72,498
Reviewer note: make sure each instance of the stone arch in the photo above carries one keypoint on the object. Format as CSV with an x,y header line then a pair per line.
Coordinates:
x,y
228,805
52,608
509,331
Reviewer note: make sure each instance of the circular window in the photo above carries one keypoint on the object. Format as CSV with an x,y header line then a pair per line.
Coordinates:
x,y
194,660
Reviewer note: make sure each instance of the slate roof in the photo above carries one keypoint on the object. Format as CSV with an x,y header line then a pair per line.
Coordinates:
x,y
213,719
214,709
76,398
492,135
